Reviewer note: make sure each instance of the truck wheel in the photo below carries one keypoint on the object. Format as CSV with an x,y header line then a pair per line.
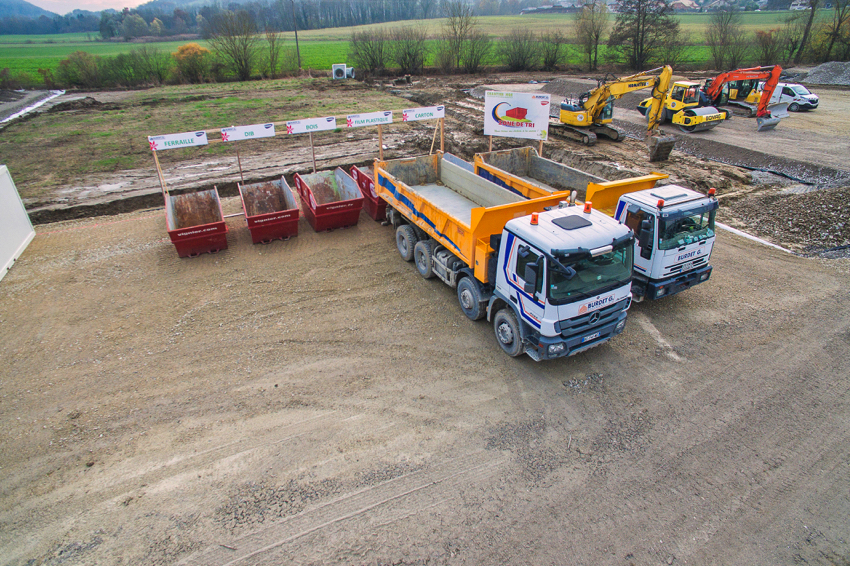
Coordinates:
x,y
422,258
405,239
470,299
506,327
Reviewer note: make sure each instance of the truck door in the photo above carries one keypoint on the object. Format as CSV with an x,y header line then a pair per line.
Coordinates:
x,y
526,271
642,224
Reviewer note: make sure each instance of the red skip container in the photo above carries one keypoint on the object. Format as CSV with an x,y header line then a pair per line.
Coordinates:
x,y
330,199
270,210
195,223
374,205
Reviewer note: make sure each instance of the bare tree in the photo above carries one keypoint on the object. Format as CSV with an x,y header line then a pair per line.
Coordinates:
x,y
675,48
410,49
274,41
232,37
518,51
724,25
839,25
791,35
591,23
457,28
475,50
552,49
768,46
369,50
813,8
641,28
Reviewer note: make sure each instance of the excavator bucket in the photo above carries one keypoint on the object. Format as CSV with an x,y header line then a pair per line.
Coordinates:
x,y
660,147
779,110
765,124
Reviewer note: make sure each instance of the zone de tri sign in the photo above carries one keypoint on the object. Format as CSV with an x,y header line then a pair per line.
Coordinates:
x,y
516,115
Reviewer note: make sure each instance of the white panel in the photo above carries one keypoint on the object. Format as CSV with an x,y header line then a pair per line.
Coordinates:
x,y
16,231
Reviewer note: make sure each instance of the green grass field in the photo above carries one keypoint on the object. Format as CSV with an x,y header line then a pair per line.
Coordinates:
x,y
322,48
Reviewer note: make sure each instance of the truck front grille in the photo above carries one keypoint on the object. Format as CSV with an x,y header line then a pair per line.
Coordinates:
x,y
581,323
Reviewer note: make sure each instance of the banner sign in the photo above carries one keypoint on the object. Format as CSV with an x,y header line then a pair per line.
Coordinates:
x,y
427,113
371,119
516,115
237,133
171,141
311,125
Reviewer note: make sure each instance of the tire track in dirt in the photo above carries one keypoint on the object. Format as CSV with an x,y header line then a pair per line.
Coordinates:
x,y
394,499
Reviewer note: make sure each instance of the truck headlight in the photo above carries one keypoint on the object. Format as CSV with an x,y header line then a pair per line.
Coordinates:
x,y
556,348
704,276
620,326
660,291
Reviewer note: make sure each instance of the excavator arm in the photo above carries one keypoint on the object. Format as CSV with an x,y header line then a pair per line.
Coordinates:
x,y
770,76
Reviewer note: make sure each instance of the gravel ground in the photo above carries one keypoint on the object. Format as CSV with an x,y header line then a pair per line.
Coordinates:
x,y
832,73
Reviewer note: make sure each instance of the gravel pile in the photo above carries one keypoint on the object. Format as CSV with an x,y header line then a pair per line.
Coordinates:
x,y
817,221
832,73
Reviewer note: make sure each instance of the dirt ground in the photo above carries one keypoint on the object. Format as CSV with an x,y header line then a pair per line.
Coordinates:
x,y
315,401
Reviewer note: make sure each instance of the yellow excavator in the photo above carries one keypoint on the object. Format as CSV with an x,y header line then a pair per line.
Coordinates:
x,y
590,115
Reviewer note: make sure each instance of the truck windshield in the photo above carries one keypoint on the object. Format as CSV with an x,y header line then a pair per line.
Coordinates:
x,y
684,230
593,275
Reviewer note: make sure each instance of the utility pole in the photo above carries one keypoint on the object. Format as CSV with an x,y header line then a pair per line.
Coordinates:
x,y
295,25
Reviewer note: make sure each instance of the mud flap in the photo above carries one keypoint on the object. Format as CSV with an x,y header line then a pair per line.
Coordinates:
x,y
660,147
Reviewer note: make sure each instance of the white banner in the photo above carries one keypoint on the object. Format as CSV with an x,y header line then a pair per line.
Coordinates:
x,y
516,115
426,113
371,119
311,125
237,133
172,141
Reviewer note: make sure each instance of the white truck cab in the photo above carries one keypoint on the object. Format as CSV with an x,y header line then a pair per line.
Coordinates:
x,y
566,274
674,229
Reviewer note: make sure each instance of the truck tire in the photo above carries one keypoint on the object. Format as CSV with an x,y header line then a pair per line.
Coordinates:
x,y
470,299
422,258
405,240
506,327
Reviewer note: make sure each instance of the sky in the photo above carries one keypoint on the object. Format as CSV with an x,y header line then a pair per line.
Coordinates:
x,y
62,7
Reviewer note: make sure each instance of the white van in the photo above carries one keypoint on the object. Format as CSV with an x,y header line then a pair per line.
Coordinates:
x,y
796,96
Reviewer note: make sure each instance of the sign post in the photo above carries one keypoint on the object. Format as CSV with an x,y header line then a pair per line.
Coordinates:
x,y
308,127
173,141
428,113
516,115
372,119
238,133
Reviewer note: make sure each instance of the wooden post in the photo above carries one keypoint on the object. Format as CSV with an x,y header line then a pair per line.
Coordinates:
x,y
159,173
313,149
491,144
434,140
442,144
540,151
239,161
380,142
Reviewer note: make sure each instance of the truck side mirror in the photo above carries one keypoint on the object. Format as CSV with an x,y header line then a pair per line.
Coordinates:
x,y
532,271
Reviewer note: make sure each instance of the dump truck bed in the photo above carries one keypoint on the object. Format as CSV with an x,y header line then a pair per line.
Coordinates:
x,y
442,195
523,171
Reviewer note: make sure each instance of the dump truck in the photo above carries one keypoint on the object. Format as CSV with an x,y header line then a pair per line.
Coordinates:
x,y
674,225
553,279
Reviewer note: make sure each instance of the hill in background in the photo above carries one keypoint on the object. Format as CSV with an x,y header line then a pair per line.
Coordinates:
x,y
19,8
